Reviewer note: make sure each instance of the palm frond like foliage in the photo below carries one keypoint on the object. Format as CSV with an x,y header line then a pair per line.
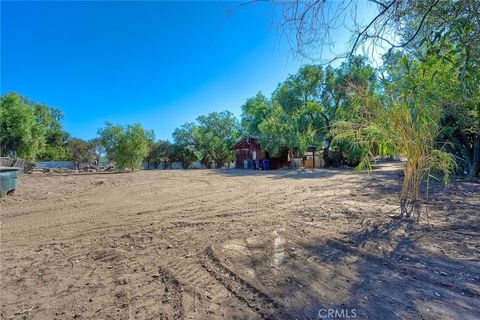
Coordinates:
x,y
400,127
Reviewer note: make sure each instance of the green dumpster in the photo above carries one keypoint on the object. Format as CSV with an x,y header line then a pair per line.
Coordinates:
x,y
8,179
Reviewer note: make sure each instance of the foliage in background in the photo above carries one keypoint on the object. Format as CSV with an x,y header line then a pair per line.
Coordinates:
x,y
30,130
127,145
254,111
161,152
210,138
429,110
448,35
56,137
303,109
214,135
81,151
184,154
184,147
441,29
19,129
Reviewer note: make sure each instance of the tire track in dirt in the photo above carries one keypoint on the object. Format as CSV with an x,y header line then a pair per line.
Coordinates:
x,y
172,295
192,273
208,250
260,302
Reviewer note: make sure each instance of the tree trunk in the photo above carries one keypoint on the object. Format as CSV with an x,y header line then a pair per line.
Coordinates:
x,y
475,168
326,156
292,161
219,164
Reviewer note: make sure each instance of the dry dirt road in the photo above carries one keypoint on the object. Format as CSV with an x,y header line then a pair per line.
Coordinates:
x,y
234,244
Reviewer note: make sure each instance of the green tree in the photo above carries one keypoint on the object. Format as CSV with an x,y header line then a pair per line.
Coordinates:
x,y
215,135
405,120
441,29
353,75
278,131
290,120
30,130
185,135
210,139
303,109
56,137
127,145
81,151
161,152
184,149
184,154
254,111
18,134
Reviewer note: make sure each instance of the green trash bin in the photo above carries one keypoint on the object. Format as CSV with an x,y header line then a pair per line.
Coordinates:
x,y
8,180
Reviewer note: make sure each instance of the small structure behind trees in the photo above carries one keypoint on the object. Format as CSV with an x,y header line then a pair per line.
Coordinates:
x,y
249,154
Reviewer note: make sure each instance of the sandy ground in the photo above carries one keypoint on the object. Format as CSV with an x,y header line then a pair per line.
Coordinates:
x,y
234,244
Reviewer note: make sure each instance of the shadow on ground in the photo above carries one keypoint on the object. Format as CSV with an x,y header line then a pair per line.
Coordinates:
x,y
412,281
384,170
384,269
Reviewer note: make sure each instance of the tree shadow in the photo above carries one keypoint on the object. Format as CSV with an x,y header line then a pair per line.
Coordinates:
x,y
380,172
391,269
283,173
410,281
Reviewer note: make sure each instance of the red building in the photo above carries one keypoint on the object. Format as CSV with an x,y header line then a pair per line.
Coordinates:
x,y
249,148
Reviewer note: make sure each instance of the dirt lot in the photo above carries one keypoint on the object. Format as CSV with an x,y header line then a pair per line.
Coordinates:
x,y
234,244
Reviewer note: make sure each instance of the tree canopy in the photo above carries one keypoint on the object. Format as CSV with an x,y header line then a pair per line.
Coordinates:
x,y
30,130
161,152
127,145
81,151
301,112
210,138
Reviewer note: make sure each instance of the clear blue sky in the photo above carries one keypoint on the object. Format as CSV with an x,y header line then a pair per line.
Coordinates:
x,y
158,63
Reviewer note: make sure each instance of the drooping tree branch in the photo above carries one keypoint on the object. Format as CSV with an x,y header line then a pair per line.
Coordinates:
x,y
309,25
417,31
359,36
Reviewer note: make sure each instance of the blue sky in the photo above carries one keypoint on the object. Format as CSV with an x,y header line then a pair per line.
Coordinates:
x,y
158,63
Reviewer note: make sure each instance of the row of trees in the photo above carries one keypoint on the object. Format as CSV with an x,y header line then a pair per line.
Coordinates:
x,y
33,131
207,140
356,110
